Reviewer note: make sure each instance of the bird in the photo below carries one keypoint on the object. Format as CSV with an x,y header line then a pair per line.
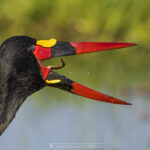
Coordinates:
x,y
22,72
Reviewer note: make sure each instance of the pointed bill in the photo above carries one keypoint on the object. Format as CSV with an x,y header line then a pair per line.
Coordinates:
x,y
55,80
73,48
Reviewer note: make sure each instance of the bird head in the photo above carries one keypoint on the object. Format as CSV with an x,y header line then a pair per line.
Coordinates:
x,y
19,67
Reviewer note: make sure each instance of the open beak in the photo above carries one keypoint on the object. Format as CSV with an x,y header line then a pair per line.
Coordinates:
x,y
46,49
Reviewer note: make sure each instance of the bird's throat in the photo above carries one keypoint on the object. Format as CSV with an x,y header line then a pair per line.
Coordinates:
x,y
8,111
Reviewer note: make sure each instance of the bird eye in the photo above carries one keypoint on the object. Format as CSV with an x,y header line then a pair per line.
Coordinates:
x,y
31,48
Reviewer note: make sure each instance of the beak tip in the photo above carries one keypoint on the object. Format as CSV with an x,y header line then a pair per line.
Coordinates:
x,y
128,45
124,103
134,44
127,103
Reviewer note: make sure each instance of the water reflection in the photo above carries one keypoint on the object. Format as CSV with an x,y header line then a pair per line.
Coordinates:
x,y
117,127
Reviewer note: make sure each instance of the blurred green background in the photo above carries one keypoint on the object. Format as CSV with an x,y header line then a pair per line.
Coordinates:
x,y
122,73
86,20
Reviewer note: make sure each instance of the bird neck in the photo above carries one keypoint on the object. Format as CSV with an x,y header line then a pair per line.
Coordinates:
x,y
9,105
12,95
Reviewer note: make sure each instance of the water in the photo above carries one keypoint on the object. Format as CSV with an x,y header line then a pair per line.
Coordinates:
x,y
116,127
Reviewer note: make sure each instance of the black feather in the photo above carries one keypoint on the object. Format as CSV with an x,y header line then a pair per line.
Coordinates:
x,y
20,76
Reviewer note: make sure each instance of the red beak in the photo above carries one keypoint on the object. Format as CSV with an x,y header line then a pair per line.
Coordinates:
x,y
73,48
78,89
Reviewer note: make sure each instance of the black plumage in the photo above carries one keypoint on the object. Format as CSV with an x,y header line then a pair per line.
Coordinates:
x,y
20,76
